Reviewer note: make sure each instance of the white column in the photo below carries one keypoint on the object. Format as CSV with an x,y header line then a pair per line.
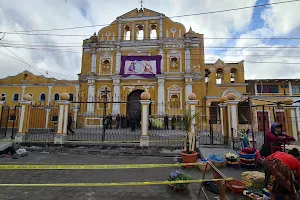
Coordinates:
x,y
117,93
47,116
161,96
160,28
161,53
188,90
233,117
118,62
294,124
290,88
23,91
187,59
133,36
119,29
255,89
91,95
93,67
144,141
75,117
49,94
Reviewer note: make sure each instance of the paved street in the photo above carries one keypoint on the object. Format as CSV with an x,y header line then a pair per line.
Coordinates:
x,y
93,176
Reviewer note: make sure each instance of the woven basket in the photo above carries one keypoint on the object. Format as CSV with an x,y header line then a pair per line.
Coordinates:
x,y
218,164
201,166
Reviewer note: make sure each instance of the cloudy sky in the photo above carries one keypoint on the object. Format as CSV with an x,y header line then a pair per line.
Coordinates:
x,y
60,56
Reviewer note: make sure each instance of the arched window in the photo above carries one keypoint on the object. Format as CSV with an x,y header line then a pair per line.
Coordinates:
x,y
3,97
42,97
233,75
219,76
140,32
16,97
127,33
71,97
207,73
153,32
56,97
25,77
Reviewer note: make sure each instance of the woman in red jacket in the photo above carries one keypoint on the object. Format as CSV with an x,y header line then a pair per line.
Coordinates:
x,y
280,180
274,139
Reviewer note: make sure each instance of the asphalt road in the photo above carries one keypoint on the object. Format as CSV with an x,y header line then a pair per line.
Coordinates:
x,y
93,176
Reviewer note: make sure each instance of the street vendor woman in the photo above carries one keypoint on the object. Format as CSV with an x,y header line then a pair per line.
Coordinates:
x,y
274,139
279,174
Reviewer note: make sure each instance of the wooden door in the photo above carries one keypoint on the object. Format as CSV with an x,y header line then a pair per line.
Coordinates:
x,y
260,121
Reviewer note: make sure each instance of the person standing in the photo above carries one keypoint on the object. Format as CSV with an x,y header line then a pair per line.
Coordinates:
x,y
132,122
128,121
173,122
118,119
110,121
179,122
122,121
166,122
70,120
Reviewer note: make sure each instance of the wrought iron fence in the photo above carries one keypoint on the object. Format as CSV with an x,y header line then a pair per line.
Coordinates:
x,y
9,121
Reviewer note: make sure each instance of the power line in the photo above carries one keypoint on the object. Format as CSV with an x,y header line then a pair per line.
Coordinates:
x,y
176,16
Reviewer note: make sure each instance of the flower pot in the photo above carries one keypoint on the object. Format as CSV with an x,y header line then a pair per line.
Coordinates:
x,y
189,158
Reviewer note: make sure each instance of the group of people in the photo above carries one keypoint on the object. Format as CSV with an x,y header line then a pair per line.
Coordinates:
x,y
174,121
122,121
282,170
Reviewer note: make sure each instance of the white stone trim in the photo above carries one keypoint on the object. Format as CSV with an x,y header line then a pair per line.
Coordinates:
x,y
60,119
93,67
174,89
187,60
290,88
65,119
294,124
139,19
22,119
47,118
231,90
234,120
23,91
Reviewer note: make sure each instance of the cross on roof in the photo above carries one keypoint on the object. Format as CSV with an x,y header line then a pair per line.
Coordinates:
x,y
141,1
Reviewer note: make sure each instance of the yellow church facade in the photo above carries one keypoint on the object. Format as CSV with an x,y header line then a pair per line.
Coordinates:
x,y
143,50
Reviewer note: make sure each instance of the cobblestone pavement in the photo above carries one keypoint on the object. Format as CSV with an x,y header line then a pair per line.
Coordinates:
x,y
93,176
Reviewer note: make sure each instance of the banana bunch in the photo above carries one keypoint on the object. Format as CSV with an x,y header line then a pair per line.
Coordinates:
x,y
231,155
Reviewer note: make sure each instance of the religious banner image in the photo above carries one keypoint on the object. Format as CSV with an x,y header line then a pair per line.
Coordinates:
x,y
140,65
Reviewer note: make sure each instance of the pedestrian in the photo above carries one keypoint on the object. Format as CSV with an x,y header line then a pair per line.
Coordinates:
x,y
150,122
132,122
109,121
118,120
279,177
173,122
166,121
179,122
70,120
128,121
122,121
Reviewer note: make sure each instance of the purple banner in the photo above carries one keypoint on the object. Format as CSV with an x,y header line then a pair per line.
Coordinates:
x,y
145,66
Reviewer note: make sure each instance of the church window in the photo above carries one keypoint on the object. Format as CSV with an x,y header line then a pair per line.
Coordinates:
x,y
71,97
56,97
219,76
233,75
127,33
16,97
153,32
174,101
25,77
140,32
207,72
3,97
42,97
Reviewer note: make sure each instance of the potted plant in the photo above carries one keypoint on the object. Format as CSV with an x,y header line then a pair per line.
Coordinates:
x,y
178,176
188,154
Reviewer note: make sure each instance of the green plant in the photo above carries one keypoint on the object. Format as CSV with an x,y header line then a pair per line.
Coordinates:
x,y
190,118
178,176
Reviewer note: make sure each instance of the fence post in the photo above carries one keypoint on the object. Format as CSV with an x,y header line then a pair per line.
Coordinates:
x,y
224,119
1,111
145,101
24,118
192,102
61,132
291,119
233,120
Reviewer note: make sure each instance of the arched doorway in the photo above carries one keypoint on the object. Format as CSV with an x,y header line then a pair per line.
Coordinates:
x,y
133,104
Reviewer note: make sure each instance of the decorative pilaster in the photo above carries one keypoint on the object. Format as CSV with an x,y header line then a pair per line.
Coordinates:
x,y
62,118
24,118
47,116
94,57
49,94
145,101
91,95
227,78
23,91
255,89
118,62
291,118
1,106
119,29
161,27
161,95
188,86
187,60
117,94
161,53
232,112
